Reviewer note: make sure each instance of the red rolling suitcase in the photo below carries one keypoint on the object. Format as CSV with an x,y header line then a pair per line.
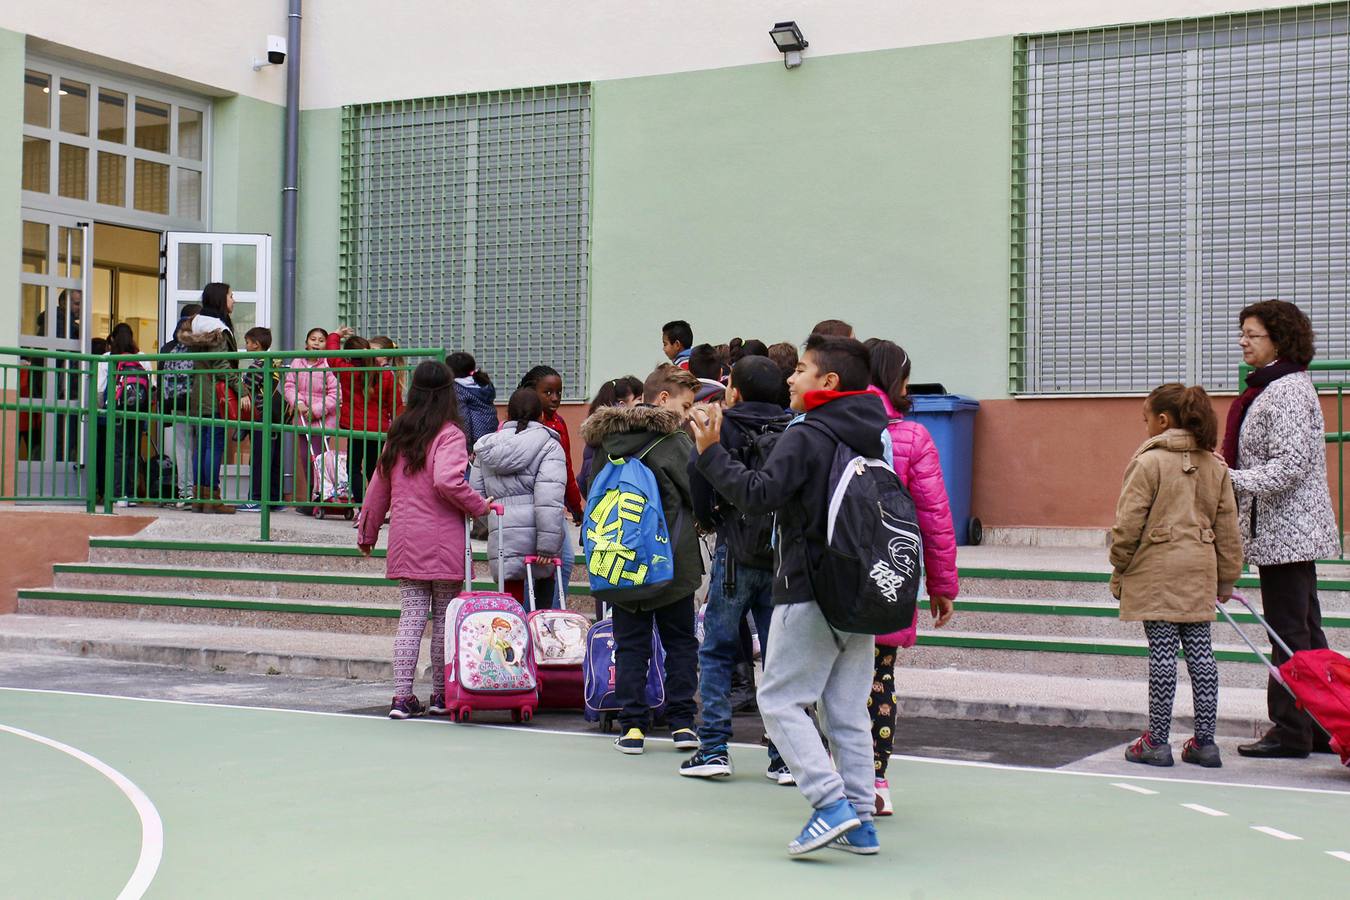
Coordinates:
x,y
1318,680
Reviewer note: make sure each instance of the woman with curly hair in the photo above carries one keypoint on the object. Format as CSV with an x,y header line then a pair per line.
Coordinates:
x,y
1274,443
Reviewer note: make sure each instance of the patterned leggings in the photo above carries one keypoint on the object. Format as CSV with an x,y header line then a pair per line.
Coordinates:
x,y
1163,638
881,704
420,598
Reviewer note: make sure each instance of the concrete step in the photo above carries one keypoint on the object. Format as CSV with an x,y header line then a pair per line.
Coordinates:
x,y
1064,584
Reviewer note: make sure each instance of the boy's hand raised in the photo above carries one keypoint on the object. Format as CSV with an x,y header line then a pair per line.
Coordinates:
x,y
706,424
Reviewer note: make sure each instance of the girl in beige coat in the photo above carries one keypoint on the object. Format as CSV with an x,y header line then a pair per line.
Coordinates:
x,y
1174,548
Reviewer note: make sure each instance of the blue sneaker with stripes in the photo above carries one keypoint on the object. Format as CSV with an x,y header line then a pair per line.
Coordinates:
x,y
824,826
861,840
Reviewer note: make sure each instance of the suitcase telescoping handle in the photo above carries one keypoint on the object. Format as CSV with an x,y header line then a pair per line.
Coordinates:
x,y
530,563
1274,670
500,511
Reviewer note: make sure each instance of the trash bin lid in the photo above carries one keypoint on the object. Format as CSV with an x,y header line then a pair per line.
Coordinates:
x,y
939,403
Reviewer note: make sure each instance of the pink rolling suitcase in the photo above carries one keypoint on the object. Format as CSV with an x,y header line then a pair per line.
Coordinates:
x,y
489,658
559,639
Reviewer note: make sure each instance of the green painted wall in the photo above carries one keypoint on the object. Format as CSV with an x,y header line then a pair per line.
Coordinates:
x,y
247,142
755,201
11,154
320,197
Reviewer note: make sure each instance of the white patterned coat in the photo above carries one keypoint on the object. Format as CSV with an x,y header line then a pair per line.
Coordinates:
x,y
1284,503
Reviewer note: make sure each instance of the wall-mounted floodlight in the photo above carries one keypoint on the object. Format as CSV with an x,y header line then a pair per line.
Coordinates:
x,y
787,37
276,52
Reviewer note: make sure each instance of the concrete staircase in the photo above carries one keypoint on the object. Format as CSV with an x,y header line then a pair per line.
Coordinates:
x,y
1036,636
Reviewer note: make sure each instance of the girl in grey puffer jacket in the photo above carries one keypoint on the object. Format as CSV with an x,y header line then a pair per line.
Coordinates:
x,y
522,466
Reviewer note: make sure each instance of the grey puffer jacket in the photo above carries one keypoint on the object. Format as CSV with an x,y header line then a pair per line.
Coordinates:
x,y
527,474
1284,503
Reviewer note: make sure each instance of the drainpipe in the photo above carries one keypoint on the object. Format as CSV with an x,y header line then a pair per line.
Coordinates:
x,y
290,190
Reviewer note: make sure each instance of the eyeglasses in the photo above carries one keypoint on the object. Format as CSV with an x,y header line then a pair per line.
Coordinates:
x,y
1251,337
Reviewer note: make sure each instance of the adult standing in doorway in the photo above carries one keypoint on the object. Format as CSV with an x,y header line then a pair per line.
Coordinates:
x,y
1275,445
216,394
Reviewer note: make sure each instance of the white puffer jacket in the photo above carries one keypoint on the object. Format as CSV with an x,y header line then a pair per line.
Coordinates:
x,y
1284,503
527,474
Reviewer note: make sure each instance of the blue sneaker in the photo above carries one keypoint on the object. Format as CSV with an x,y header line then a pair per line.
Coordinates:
x,y
824,826
861,840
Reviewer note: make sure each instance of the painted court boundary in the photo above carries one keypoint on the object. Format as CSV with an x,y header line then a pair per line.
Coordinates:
x,y
531,729
152,827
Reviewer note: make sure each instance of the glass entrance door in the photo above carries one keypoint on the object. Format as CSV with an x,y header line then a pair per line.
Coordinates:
x,y
54,282
243,261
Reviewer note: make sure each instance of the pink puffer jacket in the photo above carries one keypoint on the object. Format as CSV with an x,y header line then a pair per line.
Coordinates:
x,y
916,462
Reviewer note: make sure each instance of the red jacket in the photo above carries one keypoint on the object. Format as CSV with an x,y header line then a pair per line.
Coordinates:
x,y
360,409
572,498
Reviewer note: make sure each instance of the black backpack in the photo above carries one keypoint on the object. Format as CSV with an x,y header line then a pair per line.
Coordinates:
x,y
750,538
868,579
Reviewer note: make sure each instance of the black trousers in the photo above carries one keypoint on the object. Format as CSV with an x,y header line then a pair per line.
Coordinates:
x,y
1289,595
632,658
362,456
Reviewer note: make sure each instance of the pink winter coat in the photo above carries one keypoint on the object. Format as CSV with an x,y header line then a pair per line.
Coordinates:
x,y
916,462
314,383
426,512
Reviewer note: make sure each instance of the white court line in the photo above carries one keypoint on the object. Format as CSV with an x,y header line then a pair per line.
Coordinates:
x,y
152,827
1339,854
1276,833
1204,809
535,729
1132,787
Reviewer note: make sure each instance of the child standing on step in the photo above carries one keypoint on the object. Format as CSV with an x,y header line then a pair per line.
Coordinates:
x,y
420,481
1174,548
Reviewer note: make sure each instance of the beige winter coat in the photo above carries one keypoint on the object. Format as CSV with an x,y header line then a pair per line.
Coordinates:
x,y
1175,544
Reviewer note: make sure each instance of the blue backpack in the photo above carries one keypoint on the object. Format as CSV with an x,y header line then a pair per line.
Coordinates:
x,y
627,541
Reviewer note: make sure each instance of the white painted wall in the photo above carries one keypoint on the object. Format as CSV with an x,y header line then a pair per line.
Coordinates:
x,y
207,46
356,51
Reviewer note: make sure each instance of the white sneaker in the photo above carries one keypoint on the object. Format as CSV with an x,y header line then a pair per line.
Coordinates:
x,y
884,807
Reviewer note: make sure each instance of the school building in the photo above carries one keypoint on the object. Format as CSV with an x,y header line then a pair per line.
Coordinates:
x,y
1054,206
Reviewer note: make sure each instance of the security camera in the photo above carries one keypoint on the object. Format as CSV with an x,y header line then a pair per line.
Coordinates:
x,y
276,52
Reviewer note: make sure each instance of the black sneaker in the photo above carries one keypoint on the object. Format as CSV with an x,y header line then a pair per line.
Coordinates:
x,y
437,707
1198,754
707,764
779,773
685,739
410,708
632,742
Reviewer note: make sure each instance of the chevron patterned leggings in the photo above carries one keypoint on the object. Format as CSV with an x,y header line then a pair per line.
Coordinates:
x,y
1163,638
420,599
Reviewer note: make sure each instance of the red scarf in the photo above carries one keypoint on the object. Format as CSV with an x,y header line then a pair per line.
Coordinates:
x,y
813,399
1256,383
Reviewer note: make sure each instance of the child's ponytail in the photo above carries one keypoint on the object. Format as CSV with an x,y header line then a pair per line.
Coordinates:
x,y
525,407
1190,409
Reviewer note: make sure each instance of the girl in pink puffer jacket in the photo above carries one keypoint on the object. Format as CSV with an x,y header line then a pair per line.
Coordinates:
x,y
916,462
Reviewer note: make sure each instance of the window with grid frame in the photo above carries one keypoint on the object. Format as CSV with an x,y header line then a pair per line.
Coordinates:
x,y
1166,175
465,225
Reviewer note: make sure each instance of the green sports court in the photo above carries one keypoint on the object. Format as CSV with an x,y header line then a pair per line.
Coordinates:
x,y
278,803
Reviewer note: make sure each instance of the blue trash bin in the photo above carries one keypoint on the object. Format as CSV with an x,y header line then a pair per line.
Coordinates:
x,y
950,419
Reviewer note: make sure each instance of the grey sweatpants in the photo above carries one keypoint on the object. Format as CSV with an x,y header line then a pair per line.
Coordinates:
x,y
809,662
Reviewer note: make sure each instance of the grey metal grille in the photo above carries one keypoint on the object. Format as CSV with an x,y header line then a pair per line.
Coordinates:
x,y
1165,176
465,224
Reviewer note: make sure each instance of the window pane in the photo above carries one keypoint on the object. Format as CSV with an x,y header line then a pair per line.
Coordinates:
x,y
112,179
244,316
74,105
72,172
35,248
241,266
189,133
37,101
194,266
112,116
152,125
189,193
37,165
34,309
150,189
69,252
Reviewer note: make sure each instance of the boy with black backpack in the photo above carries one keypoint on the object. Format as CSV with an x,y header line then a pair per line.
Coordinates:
x,y
742,568
847,568
647,438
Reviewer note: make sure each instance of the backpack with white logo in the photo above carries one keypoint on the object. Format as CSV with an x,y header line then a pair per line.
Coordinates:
x,y
868,579
627,541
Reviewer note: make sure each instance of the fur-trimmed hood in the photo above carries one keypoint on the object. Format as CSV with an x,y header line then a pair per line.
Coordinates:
x,y
622,430
214,341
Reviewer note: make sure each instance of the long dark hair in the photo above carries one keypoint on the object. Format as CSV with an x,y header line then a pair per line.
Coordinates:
x,y
431,405
524,407
213,302
616,391
1190,408
122,340
890,371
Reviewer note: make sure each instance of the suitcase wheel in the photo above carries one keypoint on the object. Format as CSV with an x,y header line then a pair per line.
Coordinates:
x,y
464,713
320,512
349,514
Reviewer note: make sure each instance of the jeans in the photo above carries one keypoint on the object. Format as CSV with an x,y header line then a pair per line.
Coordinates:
x,y
632,660
751,592
210,456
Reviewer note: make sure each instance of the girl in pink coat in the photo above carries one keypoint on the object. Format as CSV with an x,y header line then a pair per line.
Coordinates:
x,y
916,462
311,390
420,482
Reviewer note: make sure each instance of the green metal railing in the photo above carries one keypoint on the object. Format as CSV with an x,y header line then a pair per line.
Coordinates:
x,y
1327,385
163,432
